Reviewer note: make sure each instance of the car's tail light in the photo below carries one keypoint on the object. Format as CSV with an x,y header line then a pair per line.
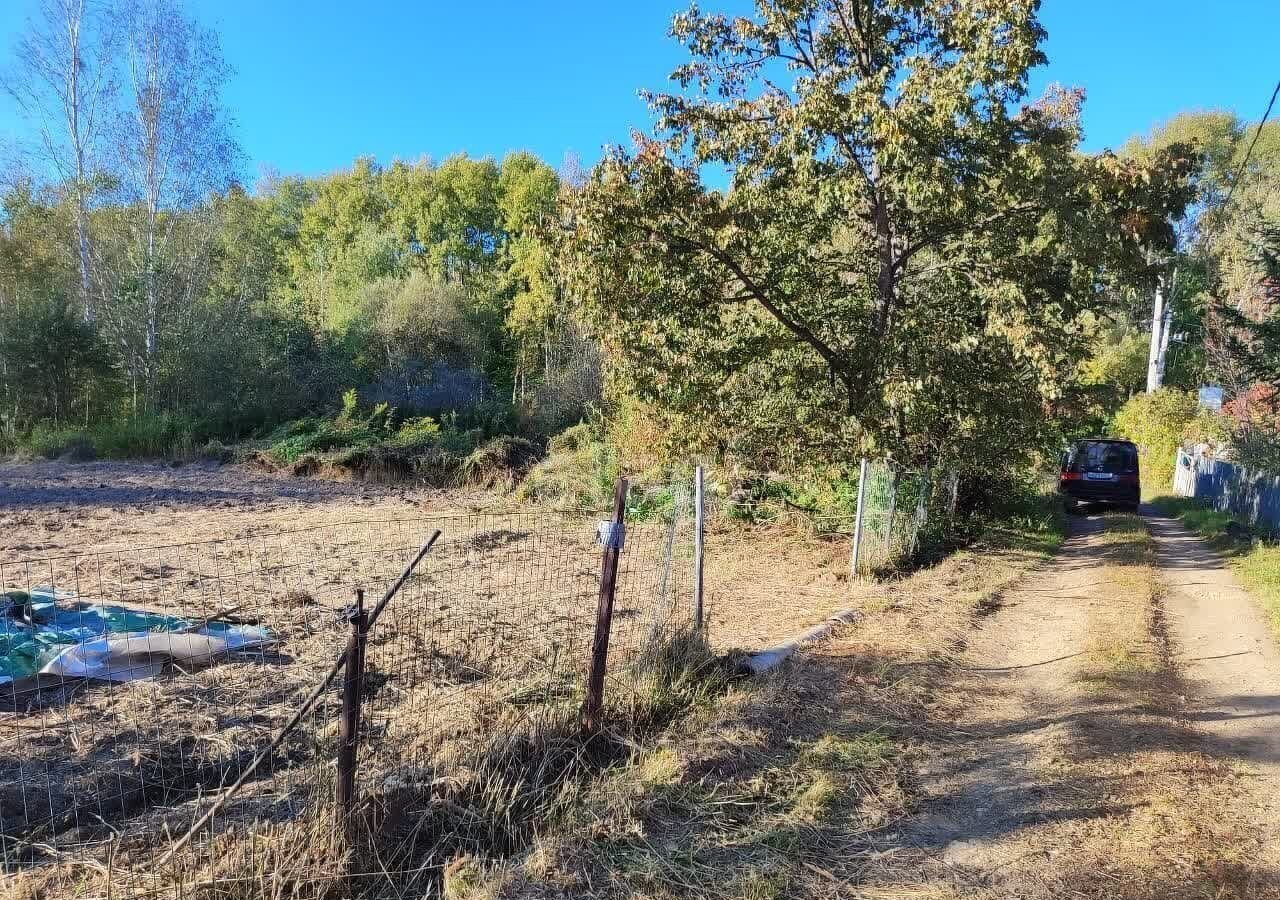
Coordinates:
x,y
1070,476
1129,478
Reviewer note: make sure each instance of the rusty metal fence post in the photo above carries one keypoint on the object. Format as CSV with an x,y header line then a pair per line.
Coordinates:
x,y
349,722
612,536
307,705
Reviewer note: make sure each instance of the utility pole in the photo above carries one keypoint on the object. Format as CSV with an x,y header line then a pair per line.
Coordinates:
x,y
1161,325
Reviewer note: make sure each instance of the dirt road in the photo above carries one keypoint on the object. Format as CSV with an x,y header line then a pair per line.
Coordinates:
x,y
1112,734
1229,657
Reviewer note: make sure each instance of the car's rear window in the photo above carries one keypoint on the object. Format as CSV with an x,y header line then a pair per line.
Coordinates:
x,y
1102,456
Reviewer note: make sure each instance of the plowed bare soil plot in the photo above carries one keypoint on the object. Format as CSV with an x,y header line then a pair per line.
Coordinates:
x,y
47,508
497,623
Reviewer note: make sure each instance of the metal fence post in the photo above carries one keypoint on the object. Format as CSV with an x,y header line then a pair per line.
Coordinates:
x,y
698,522
307,705
890,550
612,536
923,491
856,556
349,722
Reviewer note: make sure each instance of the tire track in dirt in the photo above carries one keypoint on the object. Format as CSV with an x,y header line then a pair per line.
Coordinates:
x,y
1014,695
1229,657
1066,760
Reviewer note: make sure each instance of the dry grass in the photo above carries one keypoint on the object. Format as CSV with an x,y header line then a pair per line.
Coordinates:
x,y
474,675
768,582
1128,650
790,785
444,825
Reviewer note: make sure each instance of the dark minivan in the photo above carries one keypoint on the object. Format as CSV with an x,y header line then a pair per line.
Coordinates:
x,y
1101,470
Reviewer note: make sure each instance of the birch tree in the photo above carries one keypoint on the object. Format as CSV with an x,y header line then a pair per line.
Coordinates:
x,y
61,81
173,140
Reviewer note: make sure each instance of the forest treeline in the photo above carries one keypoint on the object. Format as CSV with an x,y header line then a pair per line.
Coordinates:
x,y
424,286
845,234
142,281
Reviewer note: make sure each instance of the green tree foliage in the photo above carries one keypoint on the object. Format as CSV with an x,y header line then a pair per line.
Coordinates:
x,y
48,357
271,304
1252,336
1119,361
224,310
903,252
1158,423
1220,291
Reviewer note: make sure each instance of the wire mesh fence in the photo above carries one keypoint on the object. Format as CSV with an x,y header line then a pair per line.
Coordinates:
x,y
888,513
899,509
895,513
135,686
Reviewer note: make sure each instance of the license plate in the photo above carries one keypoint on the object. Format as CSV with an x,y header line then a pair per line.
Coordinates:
x,y
1099,476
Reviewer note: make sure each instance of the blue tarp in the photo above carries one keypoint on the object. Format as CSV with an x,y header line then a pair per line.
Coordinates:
x,y
42,630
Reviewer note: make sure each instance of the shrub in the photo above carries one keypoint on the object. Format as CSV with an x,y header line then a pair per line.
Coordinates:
x,y
51,442
578,473
370,446
500,463
10,440
151,436
155,436
573,439
1158,423
421,432
322,437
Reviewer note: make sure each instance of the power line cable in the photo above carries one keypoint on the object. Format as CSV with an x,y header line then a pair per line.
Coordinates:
x,y
1248,153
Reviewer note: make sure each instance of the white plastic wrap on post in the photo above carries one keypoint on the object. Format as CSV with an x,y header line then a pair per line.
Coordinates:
x,y
612,535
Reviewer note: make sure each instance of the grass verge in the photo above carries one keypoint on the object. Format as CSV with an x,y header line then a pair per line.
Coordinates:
x,y
1127,651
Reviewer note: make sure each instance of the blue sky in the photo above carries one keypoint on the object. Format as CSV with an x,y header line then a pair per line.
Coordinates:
x,y
319,82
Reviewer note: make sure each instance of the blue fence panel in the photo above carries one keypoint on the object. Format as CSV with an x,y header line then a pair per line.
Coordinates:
x,y
1252,497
